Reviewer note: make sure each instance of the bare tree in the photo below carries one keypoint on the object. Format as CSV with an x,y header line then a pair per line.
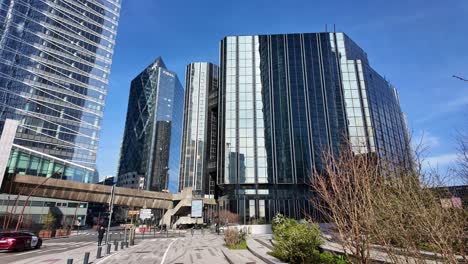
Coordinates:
x,y
227,217
462,171
375,205
344,197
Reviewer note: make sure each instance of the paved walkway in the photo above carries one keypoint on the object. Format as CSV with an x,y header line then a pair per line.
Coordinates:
x,y
199,249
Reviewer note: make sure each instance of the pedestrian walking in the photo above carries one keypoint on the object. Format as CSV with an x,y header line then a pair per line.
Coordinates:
x,y
101,232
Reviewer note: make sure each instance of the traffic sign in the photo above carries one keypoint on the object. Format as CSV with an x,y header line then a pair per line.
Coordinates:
x,y
145,214
133,212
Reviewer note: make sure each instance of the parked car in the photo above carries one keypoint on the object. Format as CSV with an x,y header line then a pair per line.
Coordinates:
x,y
16,241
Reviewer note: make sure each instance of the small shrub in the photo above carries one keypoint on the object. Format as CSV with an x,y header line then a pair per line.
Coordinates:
x,y
235,239
328,258
297,243
277,221
242,245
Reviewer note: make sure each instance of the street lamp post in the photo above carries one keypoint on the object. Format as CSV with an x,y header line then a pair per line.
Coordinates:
x,y
111,207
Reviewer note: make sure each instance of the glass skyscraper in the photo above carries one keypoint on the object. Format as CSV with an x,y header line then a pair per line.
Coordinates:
x,y
199,141
150,152
55,60
283,100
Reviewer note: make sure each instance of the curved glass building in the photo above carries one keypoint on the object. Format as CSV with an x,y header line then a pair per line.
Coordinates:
x,y
55,61
150,152
283,100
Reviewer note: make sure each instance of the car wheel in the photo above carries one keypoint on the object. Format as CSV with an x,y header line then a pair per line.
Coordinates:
x,y
39,244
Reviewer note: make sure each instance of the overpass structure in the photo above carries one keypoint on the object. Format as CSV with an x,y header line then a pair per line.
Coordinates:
x,y
96,193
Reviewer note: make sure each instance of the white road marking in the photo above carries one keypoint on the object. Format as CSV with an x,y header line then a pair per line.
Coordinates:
x,y
42,251
167,250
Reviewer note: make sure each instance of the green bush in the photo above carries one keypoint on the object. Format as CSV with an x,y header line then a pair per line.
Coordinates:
x,y
277,221
328,258
48,220
299,242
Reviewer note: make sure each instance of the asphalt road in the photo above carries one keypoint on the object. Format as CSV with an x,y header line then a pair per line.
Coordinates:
x,y
51,246
61,245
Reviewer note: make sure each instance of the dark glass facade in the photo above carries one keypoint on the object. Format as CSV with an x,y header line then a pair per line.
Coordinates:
x,y
150,152
283,100
55,60
200,128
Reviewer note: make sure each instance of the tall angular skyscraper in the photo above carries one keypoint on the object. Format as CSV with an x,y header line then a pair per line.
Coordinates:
x,y
55,60
283,100
199,144
150,152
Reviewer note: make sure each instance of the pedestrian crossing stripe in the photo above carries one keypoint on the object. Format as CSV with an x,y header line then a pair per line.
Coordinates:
x,y
68,243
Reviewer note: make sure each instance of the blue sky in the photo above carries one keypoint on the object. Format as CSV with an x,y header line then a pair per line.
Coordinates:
x,y
418,45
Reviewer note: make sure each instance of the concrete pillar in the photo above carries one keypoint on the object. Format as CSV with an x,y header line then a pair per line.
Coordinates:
x,y
6,142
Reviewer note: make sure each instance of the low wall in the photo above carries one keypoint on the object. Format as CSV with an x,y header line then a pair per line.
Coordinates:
x,y
255,229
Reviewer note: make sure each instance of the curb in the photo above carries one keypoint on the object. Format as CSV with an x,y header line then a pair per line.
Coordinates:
x,y
113,254
227,258
263,258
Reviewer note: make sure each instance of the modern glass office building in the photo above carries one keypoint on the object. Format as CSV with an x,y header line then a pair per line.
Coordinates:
x,y
200,121
55,60
283,100
150,152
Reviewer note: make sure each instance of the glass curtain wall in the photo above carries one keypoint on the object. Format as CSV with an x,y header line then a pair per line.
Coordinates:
x,y
284,99
201,79
55,60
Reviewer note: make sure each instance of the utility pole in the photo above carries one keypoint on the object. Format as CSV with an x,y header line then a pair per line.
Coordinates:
x,y
111,208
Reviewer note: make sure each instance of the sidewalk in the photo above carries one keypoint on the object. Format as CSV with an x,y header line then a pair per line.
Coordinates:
x,y
260,246
199,249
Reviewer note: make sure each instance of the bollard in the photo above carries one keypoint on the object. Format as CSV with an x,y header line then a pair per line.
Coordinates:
x,y
108,248
116,245
126,244
86,258
121,244
99,251
70,261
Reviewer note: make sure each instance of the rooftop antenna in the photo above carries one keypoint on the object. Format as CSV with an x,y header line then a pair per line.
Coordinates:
x,y
334,28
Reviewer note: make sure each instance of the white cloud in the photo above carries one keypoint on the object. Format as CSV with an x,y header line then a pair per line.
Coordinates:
x,y
447,107
439,161
426,139
458,102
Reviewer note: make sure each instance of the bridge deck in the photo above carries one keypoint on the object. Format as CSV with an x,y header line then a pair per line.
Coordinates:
x,y
87,192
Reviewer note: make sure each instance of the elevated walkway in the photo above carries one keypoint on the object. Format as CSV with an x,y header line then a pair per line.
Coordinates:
x,y
175,204
86,192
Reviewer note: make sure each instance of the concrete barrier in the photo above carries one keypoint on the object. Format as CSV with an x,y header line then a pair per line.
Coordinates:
x,y
254,229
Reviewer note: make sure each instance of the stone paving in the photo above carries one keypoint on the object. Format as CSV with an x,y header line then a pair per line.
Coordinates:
x,y
197,250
